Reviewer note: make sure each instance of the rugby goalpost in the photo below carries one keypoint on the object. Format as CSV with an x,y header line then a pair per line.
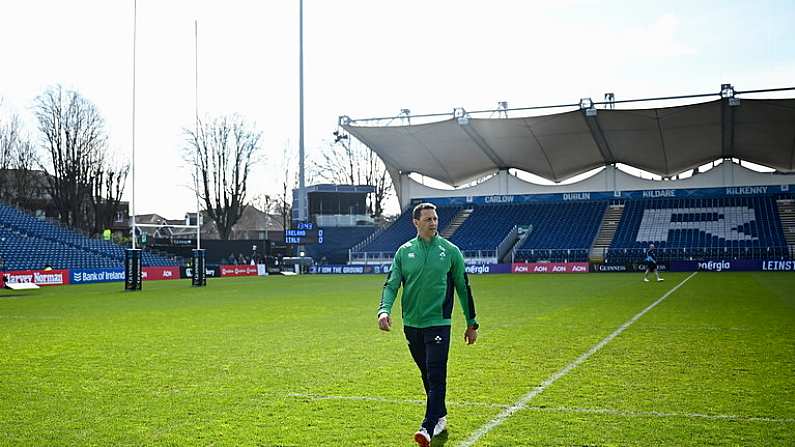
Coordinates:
x,y
133,272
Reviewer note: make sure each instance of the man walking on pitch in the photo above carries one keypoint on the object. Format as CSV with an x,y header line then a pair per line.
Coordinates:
x,y
651,263
429,267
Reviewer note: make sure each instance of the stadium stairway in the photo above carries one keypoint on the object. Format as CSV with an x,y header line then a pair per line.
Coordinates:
x,y
368,239
786,212
457,221
606,233
381,245
514,240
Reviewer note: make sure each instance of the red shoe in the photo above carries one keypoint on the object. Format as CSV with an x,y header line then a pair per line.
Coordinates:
x,y
422,438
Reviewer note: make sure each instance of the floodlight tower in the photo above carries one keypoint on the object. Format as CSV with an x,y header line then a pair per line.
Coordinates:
x,y
405,116
301,178
610,100
502,109
587,106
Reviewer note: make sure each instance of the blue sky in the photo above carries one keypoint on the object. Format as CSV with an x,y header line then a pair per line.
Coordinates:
x,y
369,58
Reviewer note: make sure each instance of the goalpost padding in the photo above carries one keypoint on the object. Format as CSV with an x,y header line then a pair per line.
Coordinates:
x,y
133,275
199,276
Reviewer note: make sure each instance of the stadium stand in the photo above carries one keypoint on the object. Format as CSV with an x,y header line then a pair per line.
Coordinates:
x,y
30,243
729,227
746,227
724,206
562,231
383,244
487,226
337,241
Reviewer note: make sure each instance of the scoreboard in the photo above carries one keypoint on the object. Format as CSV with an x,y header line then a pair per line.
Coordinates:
x,y
303,234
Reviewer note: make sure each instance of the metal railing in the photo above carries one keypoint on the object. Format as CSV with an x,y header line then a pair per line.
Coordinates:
x,y
480,256
701,253
519,243
551,254
608,254
385,257
370,257
343,220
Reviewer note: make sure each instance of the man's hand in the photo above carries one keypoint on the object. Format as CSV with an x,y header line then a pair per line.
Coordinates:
x,y
384,321
470,335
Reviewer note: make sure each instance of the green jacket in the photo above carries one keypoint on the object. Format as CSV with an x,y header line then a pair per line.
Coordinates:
x,y
429,271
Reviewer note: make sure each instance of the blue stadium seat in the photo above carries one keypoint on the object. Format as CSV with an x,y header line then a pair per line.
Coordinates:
x,y
336,243
30,243
403,229
730,227
561,231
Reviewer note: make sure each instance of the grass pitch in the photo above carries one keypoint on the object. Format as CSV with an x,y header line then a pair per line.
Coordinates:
x,y
299,362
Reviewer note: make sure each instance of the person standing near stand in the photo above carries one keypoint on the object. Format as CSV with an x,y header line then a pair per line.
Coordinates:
x,y
430,268
651,263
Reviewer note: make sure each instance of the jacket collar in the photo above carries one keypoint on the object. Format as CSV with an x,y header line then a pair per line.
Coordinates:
x,y
434,240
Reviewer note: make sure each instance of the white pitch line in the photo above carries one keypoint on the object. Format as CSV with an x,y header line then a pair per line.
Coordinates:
x,y
392,401
660,414
564,410
522,402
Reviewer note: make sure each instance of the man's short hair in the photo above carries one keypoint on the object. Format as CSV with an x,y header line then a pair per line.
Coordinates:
x,y
422,206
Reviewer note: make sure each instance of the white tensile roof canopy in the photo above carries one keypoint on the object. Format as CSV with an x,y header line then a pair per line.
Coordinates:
x,y
665,141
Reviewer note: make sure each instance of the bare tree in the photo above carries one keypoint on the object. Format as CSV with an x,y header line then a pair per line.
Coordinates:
x,y
9,140
222,152
341,163
284,204
73,132
279,203
18,161
108,183
289,180
25,183
348,162
270,203
379,179
263,202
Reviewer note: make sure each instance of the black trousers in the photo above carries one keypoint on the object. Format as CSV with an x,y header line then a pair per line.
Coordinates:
x,y
429,348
